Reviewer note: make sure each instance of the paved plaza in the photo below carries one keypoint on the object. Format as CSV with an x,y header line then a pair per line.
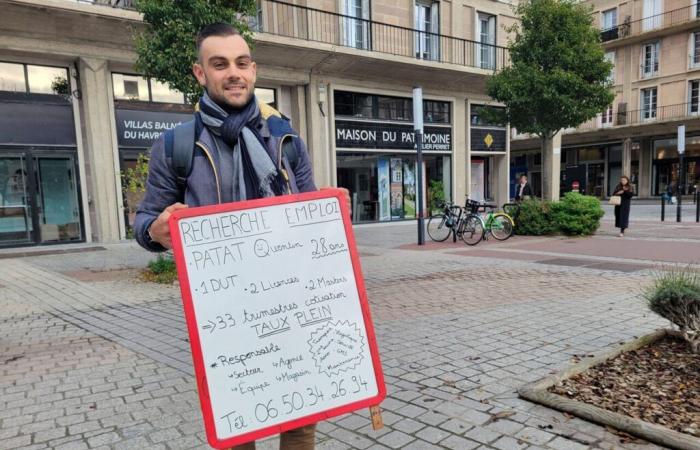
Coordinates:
x,y
91,357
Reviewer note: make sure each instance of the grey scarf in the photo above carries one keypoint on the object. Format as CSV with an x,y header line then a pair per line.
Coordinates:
x,y
234,130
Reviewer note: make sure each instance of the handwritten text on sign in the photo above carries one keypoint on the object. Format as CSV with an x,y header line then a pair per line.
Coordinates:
x,y
278,312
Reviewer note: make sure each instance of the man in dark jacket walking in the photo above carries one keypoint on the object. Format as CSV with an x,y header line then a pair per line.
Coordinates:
x,y
237,156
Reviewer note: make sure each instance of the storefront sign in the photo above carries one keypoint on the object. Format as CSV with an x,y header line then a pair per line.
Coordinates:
x,y
488,140
141,128
48,123
389,136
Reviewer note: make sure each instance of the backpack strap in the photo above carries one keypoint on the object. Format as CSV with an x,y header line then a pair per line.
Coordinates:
x,y
179,146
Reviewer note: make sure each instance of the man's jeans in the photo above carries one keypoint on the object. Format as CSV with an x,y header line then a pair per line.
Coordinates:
x,y
297,439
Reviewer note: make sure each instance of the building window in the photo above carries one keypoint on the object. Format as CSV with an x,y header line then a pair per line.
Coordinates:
x,y
138,88
427,25
694,97
653,14
610,57
606,117
34,79
365,106
694,50
609,19
648,100
486,36
267,95
355,24
650,59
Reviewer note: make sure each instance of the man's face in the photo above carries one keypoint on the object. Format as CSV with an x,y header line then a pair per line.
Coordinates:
x,y
523,180
226,69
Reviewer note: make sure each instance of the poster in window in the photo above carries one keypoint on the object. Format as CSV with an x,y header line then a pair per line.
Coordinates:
x,y
383,189
477,184
409,189
396,188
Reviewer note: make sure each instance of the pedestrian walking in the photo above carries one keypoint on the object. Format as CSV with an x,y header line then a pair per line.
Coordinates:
x,y
523,190
625,191
234,156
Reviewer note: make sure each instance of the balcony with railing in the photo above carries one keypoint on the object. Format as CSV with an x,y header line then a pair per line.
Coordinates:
x,y
314,25
650,115
631,28
125,4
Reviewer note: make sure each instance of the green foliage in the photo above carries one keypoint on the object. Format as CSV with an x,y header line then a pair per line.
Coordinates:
x,y
436,197
577,214
558,77
535,218
134,179
166,49
60,85
161,270
675,296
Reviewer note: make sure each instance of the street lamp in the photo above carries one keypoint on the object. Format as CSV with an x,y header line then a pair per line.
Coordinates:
x,y
681,172
418,132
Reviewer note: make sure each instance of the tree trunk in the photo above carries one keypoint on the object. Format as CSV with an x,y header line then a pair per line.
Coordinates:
x,y
551,163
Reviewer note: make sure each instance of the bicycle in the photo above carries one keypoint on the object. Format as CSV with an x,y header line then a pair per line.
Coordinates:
x,y
452,220
499,224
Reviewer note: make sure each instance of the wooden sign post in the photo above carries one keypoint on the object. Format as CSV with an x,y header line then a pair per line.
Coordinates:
x,y
277,314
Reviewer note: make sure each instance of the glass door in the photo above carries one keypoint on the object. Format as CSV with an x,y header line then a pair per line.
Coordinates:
x,y
595,179
15,211
57,203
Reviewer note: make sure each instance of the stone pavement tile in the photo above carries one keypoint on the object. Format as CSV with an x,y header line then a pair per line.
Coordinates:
x,y
408,426
395,439
352,439
459,443
421,445
482,435
432,418
508,443
432,434
534,436
566,444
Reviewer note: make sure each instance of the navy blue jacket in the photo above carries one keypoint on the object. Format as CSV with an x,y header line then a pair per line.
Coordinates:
x,y
203,186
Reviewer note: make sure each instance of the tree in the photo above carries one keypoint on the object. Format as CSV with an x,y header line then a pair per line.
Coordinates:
x,y
166,47
558,77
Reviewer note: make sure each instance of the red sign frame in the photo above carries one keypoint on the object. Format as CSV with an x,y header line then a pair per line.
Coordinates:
x,y
193,329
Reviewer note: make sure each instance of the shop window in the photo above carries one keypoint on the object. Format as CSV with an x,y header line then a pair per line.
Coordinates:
x,y
138,88
33,79
694,97
48,80
649,100
479,119
394,108
267,95
162,93
436,112
650,59
591,154
130,87
12,77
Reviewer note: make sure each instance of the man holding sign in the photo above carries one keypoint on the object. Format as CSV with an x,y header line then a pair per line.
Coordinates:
x,y
243,150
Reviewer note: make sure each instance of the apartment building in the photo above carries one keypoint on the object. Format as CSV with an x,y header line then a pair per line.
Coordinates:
x,y
655,47
74,113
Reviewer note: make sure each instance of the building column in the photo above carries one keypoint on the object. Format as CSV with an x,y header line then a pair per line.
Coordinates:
x,y
102,174
645,172
626,157
551,167
460,154
467,178
320,143
502,171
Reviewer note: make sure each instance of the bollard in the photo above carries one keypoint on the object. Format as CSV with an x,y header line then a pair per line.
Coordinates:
x,y
663,208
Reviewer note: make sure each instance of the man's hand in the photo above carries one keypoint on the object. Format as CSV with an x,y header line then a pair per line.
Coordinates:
x,y
159,230
345,191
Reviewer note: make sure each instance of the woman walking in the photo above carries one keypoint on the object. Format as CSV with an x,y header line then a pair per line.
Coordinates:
x,y
622,211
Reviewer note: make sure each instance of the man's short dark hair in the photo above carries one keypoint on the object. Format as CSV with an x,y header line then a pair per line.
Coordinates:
x,y
215,29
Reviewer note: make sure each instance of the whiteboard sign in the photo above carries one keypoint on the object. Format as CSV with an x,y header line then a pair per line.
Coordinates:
x,y
277,314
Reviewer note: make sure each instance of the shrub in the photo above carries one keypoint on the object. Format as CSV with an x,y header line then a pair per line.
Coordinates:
x,y
534,218
161,270
675,296
577,215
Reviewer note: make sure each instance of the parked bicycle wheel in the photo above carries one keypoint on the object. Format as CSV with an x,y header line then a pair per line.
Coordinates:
x,y
502,226
438,228
472,230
